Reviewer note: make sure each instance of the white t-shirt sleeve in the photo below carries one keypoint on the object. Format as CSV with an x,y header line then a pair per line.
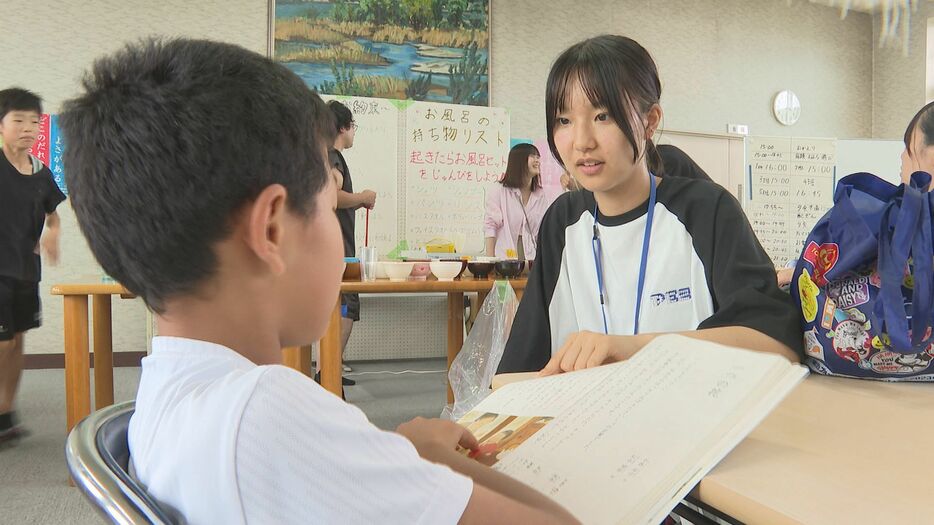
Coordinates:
x,y
305,456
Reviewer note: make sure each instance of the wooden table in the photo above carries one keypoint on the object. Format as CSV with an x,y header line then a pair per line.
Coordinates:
x,y
78,349
835,451
329,352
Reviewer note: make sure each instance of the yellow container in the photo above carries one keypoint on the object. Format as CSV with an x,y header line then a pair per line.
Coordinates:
x,y
439,246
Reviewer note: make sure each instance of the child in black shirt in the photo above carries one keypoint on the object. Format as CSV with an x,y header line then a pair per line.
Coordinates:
x,y
28,198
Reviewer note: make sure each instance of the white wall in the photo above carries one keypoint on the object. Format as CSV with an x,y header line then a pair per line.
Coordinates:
x,y
46,46
898,88
720,61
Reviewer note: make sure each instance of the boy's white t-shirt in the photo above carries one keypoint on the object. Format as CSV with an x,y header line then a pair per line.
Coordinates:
x,y
218,439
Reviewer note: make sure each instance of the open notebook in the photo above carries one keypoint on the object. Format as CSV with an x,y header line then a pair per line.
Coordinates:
x,y
624,443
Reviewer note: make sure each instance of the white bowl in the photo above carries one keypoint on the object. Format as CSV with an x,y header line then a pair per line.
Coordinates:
x,y
446,270
397,271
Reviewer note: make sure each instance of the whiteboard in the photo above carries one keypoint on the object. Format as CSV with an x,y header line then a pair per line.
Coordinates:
x,y
429,164
453,155
372,162
789,188
782,221
879,157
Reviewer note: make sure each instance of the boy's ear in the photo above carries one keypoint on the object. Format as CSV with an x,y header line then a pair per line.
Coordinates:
x,y
265,226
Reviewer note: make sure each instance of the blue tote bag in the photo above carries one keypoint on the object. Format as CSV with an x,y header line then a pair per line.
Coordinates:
x,y
864,282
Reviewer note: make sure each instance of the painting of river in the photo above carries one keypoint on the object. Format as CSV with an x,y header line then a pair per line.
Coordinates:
x,y
432,50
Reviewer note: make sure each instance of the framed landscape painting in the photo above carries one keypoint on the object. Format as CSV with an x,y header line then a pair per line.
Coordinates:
x,y
430,50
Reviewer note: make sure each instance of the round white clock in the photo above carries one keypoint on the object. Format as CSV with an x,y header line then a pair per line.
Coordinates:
x,y
786,107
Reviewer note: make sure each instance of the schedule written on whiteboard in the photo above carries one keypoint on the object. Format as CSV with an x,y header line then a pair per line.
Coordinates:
x,y
430,165
790,187
453,154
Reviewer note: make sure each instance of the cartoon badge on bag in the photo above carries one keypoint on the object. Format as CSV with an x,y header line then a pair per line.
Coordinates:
x,y
823,257
889,362
808,292
830,309
855,314
850,290
851,341
812,346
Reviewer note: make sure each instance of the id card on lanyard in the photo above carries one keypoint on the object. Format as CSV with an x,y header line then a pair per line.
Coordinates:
x,y
598,258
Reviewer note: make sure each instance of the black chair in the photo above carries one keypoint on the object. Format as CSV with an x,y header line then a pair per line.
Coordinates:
x,y
98,458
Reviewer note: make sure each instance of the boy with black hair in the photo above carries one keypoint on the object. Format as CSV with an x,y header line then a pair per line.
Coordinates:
x,y
198,173
28,198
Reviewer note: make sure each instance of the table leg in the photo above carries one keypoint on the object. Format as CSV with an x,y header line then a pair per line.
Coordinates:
x,y
103,352
305,355
473,305
298,358
455,331
77,360
329,353
481,298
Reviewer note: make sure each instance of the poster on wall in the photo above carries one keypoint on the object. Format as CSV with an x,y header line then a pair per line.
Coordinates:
x,y
40,149
49,147
790,187
453,156
423,50
56,150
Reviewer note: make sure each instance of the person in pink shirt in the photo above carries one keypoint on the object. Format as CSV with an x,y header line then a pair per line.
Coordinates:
x,y
514,210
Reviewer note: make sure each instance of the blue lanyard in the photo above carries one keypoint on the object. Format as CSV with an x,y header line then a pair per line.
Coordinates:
x,y
597,246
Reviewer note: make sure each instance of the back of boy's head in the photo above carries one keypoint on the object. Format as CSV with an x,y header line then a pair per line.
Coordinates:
x,y
343,118
169,140
19,99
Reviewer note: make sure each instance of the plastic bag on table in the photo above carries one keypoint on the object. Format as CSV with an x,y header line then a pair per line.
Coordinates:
x,y
472,370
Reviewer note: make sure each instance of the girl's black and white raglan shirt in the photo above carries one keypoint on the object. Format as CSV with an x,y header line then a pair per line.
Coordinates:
x,y
705,269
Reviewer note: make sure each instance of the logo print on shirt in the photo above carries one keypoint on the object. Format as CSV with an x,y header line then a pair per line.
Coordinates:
x,y
679,295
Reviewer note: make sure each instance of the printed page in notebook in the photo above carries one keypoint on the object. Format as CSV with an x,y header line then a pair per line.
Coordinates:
x,y
603,441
